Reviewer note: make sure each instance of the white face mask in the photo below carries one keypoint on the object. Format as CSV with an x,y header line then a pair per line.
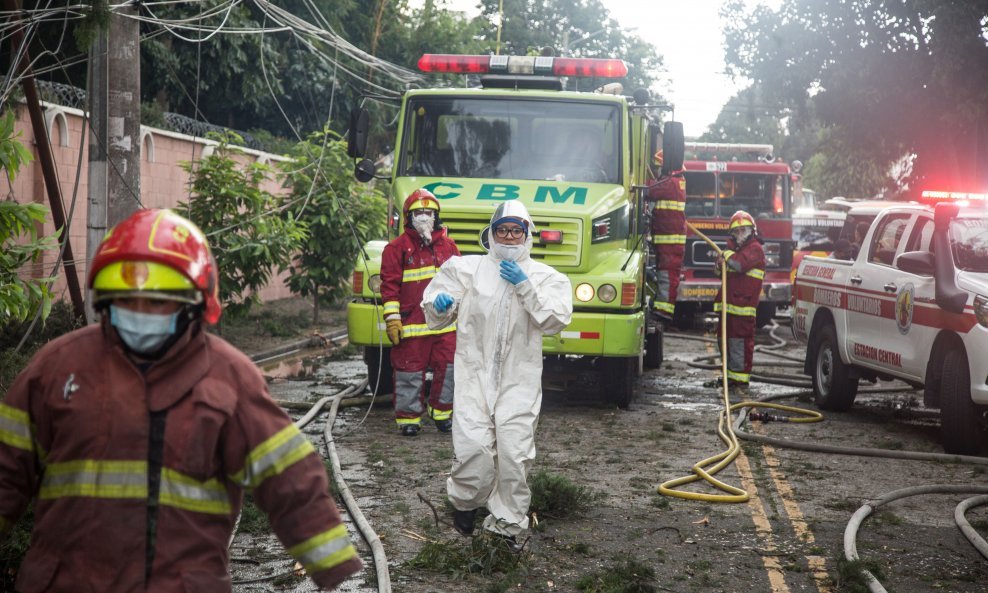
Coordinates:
x,y
423,223
742,235
144,333
510,252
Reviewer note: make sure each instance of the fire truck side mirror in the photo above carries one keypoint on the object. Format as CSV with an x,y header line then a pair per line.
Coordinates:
x,y
364,170
673,147
356,143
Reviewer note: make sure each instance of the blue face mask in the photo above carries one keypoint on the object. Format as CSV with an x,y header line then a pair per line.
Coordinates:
x,y
144,333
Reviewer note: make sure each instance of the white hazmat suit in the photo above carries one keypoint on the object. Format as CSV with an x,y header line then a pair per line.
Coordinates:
x,y
498,371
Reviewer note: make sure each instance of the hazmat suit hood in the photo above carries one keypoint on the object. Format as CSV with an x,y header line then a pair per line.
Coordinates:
x,y
516,212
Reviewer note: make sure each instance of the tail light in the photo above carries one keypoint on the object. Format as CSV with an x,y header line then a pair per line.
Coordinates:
x,y
551,236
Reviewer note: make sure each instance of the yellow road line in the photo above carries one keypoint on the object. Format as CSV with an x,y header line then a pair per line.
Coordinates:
x,y
817,564
776,576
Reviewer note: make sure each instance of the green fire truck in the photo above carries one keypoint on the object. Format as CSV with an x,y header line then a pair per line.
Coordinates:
x,y
578,160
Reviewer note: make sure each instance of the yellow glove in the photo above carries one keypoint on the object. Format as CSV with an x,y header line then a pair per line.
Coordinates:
x,y
394,330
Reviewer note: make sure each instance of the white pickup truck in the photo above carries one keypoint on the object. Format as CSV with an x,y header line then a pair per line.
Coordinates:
x,y
912,305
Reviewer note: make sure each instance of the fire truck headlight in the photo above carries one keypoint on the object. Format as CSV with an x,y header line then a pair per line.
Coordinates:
x,y
584,292
981,310
374,283
606,293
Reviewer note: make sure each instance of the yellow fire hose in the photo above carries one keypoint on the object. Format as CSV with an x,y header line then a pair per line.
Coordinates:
x,y
706,469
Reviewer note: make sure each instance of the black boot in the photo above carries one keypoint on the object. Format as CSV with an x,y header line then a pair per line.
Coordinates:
x,y
463,521
409,430
444,425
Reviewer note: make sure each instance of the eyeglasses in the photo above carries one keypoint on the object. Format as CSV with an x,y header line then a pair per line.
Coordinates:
x,y
514,232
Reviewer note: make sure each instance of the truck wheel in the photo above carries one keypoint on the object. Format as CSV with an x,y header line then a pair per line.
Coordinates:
x,y
379,371
961,420
833,387
653,348
617,380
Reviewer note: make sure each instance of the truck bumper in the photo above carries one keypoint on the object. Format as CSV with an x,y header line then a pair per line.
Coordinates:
x,y
706,292
589,334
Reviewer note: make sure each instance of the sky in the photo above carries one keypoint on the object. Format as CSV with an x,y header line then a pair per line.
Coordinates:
x,y
687,34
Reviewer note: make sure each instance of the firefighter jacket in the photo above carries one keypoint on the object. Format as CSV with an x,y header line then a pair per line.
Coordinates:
x,y
139,475
407,267
668,194
745,271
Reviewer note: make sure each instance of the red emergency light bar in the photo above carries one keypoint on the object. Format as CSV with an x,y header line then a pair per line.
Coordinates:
x,y
533,65
952,195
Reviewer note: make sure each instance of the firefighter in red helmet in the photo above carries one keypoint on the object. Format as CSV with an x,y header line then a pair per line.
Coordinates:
x,y
668,195
138,435
407,265
745,261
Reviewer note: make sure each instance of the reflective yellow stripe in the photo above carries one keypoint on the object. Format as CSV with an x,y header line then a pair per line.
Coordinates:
x,y
662,306
668,239
756,273
401,421
415,330
326,550
727,253
743,377
670,205
416,274
440,414
736,310
391,307
95,479
273,456
184,492
15,427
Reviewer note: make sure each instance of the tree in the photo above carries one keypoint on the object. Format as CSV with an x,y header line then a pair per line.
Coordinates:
x,y
20,243
889,79
249,230
339,213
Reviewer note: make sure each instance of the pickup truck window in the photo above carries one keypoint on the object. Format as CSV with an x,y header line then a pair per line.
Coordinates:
x,y
922,234
969,242
885,240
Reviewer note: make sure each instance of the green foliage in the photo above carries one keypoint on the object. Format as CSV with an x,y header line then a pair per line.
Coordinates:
x,y
253,521
20,243
851,575
558,497
630,576
485,555
339,213
908,73
13,548
249,229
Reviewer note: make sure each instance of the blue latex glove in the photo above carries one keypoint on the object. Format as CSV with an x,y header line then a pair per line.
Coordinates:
x,y
442,302
512,272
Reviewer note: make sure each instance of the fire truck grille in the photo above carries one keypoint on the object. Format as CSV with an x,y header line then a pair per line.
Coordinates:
x,y
465,229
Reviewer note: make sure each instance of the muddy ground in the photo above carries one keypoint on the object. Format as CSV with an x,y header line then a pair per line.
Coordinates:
x,y
788,537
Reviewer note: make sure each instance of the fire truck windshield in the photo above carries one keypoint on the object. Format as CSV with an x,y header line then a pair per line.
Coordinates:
x,y
721,194
505,138
969,243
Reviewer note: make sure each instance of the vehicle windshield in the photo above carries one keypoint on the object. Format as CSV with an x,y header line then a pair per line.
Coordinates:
x,y
969,243
721,194
506,138
812,234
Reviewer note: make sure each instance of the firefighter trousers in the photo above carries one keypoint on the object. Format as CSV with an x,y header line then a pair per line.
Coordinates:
x,y
411,358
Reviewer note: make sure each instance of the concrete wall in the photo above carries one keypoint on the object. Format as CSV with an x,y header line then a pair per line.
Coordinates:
x,y
163,182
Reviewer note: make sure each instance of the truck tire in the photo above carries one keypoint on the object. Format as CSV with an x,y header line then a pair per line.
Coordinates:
x,y
833,387
618,377
379,371
653,348
962,426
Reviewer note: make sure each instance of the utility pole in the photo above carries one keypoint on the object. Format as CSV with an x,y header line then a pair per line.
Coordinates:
x,y
115,126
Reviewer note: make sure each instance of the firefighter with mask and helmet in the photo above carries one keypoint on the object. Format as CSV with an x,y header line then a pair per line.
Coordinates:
x,y
745,262
503,303
668,196
407,265
138,436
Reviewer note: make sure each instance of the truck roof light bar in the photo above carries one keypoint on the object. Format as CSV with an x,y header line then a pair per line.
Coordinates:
x,y
532,65
952,195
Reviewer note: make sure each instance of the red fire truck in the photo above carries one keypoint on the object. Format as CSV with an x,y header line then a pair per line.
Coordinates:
x,y
720,180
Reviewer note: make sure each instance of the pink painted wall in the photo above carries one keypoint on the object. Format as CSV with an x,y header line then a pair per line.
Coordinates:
x,y
163,182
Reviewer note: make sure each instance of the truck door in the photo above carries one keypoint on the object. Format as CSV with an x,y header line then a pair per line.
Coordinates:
x,y
871,295
914,294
